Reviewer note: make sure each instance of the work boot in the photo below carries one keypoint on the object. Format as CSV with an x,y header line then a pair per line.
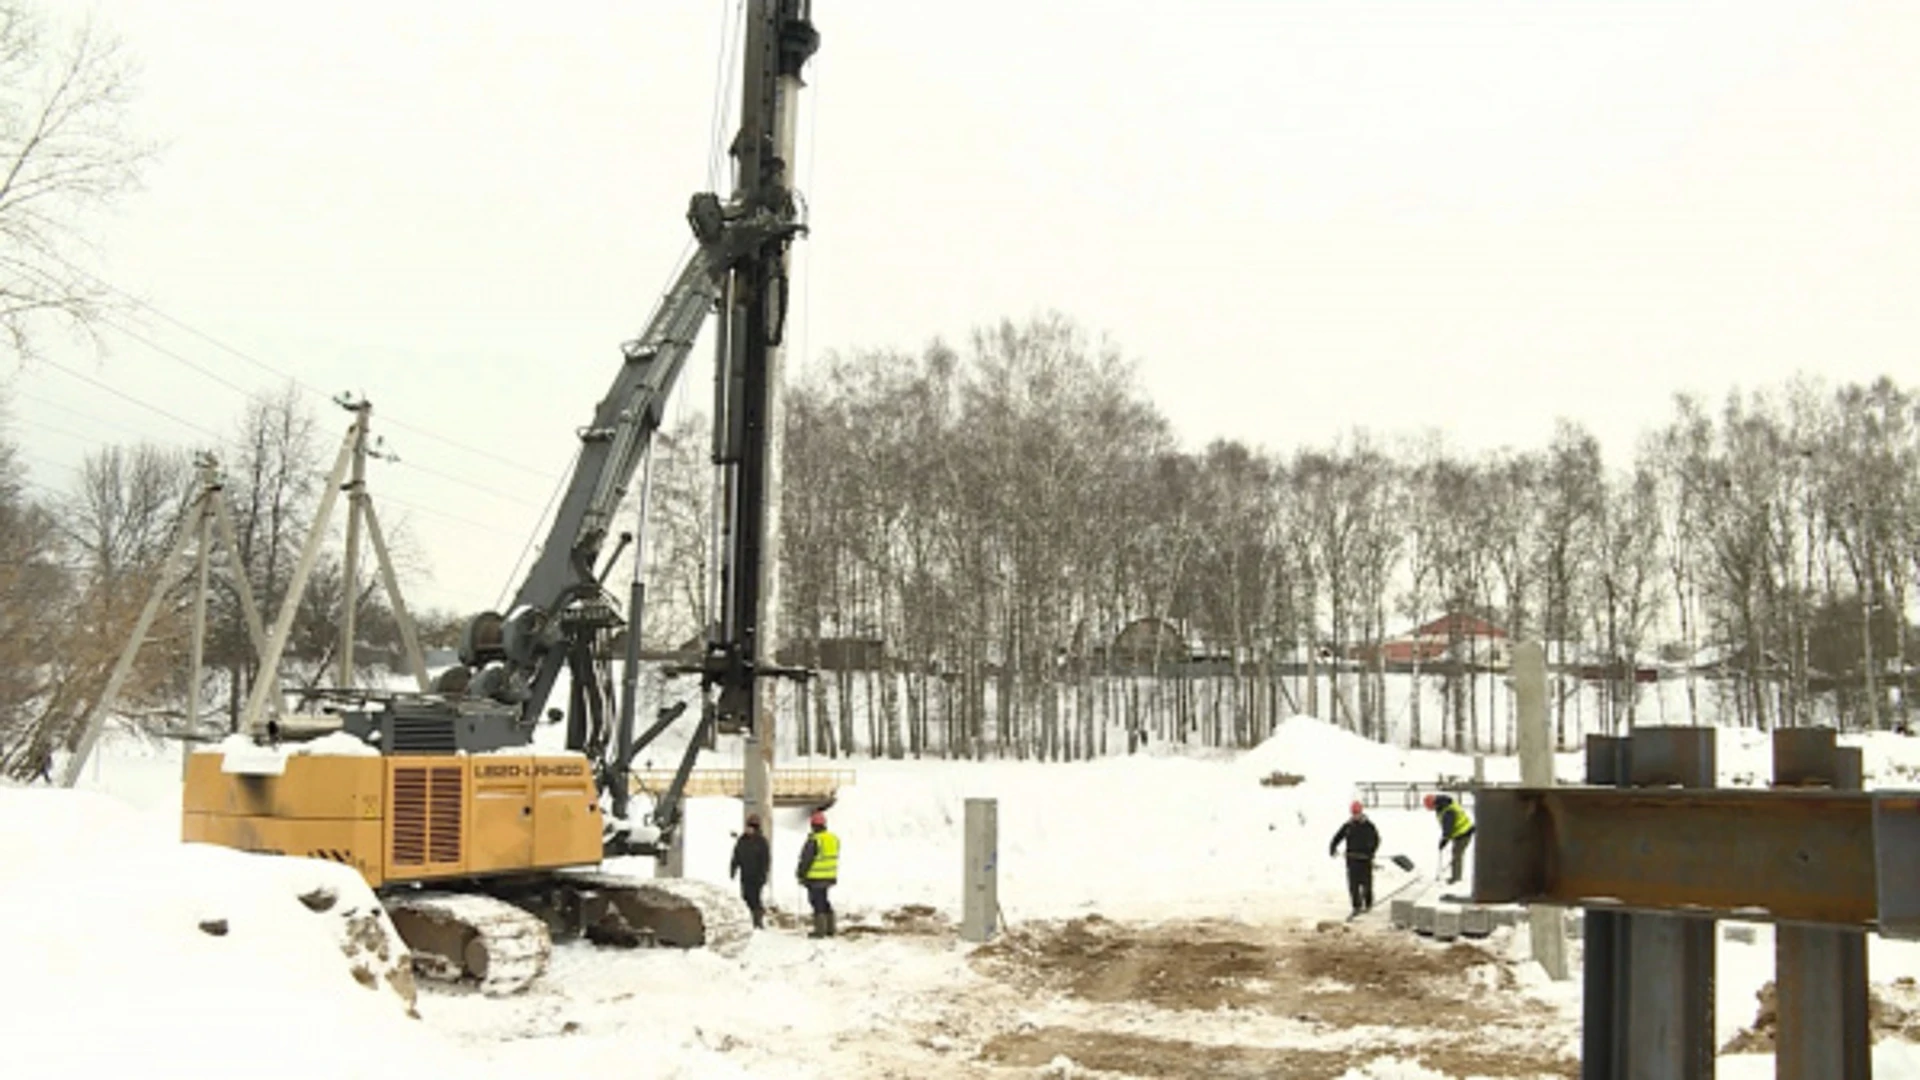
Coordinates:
x,y
830,924
819,926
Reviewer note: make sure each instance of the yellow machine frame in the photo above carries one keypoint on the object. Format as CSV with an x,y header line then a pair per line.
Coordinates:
x,y
403,819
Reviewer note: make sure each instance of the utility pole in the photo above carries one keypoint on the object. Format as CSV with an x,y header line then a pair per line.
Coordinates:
x,y
208,510
196,657
356,498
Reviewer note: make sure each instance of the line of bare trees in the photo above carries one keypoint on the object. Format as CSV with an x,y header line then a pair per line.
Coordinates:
x,y
77,566
996,517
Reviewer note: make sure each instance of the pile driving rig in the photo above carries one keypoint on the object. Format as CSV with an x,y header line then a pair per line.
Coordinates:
x,y
483,847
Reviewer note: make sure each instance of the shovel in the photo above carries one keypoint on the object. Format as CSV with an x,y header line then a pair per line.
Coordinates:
x,y
1404,863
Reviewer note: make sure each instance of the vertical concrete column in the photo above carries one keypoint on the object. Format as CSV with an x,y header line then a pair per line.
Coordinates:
x,y
1670,958
673,864
1820,974
1547,925
980,898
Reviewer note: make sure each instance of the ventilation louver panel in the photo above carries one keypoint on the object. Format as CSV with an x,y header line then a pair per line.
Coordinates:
x,y
409,817
443,834
423,735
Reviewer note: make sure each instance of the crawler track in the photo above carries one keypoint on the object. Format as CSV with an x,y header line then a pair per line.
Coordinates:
x,y
459,937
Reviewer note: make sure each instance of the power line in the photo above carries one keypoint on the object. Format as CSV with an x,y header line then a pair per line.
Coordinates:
x,y
452,479
263,365
387,498
152,408
514,574
139,302
164,351
42,425
521,465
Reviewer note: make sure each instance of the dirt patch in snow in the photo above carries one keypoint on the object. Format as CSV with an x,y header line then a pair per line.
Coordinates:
x,y
1177,1059
1330,973
1335,978
913,920
1892,1010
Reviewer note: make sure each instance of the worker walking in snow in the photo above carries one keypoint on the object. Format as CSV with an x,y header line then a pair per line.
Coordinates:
x,y
1362,840
1456,828
752,860
819,871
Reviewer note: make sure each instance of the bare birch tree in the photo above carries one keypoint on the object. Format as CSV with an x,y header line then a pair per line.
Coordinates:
x,y
66,150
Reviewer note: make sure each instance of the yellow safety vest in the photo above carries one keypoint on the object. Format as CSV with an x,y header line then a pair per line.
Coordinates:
x,y
826,857
1461,822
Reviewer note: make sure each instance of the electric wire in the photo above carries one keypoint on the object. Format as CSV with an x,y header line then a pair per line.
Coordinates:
x,y
514,575
722,107
402,463
263,365
164,351
123,395
54,429
145,305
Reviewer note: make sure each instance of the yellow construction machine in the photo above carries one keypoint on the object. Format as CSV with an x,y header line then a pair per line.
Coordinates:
x,y
483,846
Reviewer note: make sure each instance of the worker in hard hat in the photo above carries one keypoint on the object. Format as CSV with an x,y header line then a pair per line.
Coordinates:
x,y
819,871
1456,828
1363,841
752,859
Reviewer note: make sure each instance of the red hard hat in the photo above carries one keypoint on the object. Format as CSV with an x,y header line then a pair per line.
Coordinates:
x,y
818,818
1355,809
1427,802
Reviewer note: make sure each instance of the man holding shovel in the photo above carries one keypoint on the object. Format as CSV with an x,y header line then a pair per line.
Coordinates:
x,y
1363,842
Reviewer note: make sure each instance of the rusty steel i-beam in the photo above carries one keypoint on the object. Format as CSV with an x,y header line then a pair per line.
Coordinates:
x,y
1660,855
1821,857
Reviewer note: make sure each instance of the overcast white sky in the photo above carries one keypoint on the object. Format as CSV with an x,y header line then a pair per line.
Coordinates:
x,y
1298,215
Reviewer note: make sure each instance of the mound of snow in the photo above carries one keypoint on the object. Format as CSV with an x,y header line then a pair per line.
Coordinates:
x,y
1317,750
129,956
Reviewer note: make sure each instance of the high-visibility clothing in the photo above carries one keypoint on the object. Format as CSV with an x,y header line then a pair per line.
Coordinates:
x,y
1461,823
826,857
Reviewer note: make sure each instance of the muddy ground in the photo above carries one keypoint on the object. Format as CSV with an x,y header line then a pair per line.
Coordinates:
x,y
1224,999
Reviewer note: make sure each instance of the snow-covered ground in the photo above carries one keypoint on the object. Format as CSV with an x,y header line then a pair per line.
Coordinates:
x,y
1163,909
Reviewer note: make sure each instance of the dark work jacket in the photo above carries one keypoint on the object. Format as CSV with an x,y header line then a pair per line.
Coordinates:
x,y
752,858
1361,837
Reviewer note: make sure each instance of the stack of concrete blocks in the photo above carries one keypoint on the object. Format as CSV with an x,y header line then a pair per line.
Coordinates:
x,y
1446,920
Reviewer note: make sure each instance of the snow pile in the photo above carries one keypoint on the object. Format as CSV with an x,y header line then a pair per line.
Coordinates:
x,y
131,956
243,755
1325,754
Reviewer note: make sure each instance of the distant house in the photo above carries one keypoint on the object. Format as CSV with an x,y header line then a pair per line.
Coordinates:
x,y
1457,636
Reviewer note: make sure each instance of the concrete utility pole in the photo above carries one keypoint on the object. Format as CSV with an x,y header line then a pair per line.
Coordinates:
x,y
197,647
980,899
1547,925
360,513
209,509
356,498
267,682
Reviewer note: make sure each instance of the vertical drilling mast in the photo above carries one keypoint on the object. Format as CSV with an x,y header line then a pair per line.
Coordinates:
x,y
754,303
561,610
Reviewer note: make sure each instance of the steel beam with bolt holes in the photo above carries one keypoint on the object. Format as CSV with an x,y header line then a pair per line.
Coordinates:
x,y
1831,858
1658,856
